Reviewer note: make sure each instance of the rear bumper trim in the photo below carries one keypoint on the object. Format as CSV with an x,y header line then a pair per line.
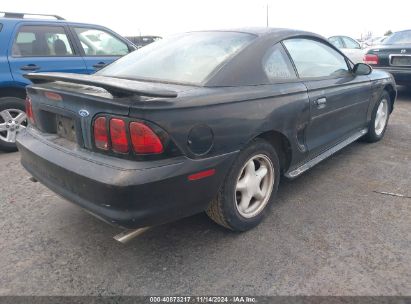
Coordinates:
x,y
130,198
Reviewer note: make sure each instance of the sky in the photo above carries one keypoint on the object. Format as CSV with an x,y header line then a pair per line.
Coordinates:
x,y
161,17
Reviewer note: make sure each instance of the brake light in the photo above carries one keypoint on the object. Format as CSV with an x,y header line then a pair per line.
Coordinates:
x,y
29,110
144,140
370,59
100,133
118,135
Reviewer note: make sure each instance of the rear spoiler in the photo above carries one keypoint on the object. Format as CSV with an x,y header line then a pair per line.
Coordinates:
x,y
116,86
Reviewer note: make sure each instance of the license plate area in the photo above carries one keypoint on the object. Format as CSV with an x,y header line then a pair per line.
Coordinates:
x,y
404,60
66,128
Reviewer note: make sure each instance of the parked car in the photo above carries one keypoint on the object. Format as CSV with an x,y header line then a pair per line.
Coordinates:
x,y
201,121
394,56
374,41
349,46
140,41
42,45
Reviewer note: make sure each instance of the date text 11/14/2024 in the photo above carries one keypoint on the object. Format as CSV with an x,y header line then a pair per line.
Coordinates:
x,y
202,299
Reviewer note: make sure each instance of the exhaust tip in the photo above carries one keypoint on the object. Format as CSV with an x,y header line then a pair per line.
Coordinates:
x,y
127,235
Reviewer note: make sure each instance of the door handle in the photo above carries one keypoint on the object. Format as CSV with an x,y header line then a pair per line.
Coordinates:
x,y
321,102
99,65
30,67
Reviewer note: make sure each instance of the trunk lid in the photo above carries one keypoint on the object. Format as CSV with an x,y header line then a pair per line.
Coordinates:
x,y
64,105
388,54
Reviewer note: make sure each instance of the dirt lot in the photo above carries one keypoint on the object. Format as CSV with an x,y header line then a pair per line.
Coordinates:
x,y
328,234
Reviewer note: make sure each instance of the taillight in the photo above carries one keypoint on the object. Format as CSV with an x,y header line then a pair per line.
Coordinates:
x,y
370,59
29,110
118,135
144,140
101,134
114,135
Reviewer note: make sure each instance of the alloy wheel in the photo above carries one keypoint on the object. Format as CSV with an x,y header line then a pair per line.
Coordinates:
x,y
12,121
254,186
381,117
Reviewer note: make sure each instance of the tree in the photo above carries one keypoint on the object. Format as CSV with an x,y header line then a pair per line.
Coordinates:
x,y
387,33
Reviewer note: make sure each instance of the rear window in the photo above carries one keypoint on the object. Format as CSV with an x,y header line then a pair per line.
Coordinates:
x,y
399,38
186,58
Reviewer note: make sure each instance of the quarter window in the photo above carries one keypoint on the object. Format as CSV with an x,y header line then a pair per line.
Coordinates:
x,y
315,59
100,43
277,66
42,41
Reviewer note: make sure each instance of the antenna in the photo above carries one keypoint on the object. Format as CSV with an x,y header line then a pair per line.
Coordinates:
x,y
267,14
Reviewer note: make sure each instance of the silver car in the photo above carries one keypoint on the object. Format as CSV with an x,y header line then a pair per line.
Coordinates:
x,y
349,46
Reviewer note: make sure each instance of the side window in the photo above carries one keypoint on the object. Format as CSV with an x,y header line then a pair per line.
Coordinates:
x,y
350,43
276,64
100,43
1,27
41,41
336,41
315,59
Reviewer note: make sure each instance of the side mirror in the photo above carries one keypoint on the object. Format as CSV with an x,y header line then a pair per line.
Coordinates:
x,y
362,69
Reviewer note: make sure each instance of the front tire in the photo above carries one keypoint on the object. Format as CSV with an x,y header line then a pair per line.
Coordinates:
x,y
379,119
248,189
12,121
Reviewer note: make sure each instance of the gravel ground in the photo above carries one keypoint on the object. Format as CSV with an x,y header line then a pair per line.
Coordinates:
x,y
328,234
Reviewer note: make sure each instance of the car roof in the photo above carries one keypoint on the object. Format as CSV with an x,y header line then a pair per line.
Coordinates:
x,y
402,31
342,36
14,20
43,20
245,67
265,31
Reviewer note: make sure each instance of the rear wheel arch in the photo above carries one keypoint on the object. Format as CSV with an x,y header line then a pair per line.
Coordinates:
x,y
281,145
13,92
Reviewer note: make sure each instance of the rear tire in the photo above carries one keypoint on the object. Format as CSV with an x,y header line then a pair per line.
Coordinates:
x,y
379,119
10,108
248,189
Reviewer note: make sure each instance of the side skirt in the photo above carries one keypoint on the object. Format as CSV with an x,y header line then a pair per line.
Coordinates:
x,y
311,163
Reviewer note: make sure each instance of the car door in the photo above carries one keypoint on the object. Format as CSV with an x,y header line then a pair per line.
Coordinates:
x,y
338,99
99,46
44,47
352,49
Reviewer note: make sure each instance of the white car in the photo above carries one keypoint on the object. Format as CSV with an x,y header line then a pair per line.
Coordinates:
x,y
375,41
369,44
349,46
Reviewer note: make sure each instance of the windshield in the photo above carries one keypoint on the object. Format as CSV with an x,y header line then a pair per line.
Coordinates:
x,y
399,38
185,58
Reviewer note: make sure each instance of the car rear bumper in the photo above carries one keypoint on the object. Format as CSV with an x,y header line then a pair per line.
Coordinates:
x,y
125,193
401,75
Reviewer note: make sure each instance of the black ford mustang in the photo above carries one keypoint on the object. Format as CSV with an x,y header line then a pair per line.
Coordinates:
x,y
394,56
201,121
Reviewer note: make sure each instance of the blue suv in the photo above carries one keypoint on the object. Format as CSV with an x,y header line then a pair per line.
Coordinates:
x,y
46,45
